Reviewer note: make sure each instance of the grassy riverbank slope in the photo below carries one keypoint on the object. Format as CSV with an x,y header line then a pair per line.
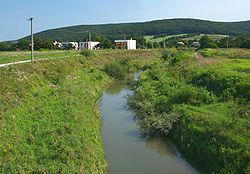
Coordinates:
x,y
202,103
49,120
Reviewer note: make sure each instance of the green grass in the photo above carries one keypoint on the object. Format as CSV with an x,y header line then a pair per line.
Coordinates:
x,y
205,109
212,36
148,38
160,39
197,37
7,57
224,53
49,117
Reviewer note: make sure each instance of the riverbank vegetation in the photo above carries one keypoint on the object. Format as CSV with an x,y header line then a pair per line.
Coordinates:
x,y
202,103
49,119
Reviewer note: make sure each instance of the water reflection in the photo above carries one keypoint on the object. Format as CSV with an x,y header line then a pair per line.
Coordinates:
x,y
116,87
160,145
128,150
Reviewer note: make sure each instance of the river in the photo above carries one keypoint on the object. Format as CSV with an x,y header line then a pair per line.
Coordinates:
x,y
127,150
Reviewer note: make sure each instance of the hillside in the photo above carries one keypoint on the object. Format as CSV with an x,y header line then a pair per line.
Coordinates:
x,y
167,26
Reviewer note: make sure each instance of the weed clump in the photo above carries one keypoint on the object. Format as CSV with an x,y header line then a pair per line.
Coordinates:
x,y
87,53
115,70
168,54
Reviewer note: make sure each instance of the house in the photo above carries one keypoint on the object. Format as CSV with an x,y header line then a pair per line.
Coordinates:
x,y
125,44
89,45
196,44
57,44
180,43
70,46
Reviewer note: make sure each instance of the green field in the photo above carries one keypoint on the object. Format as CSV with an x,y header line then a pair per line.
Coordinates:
x,y
202,103
50,123
212,36
160,39
49,118
197,37
7,57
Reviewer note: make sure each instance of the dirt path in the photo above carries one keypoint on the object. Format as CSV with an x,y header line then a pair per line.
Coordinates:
x,y
19,62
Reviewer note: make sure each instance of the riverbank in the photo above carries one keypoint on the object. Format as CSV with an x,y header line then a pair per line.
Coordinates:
x,y
127,149
202,104
49,118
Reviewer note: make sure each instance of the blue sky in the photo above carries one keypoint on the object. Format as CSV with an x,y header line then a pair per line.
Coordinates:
x,y
58,13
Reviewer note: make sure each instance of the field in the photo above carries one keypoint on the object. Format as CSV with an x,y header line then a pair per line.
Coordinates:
x,y
196,37
50,123
160,39
202,103
7,57
49,119
212,36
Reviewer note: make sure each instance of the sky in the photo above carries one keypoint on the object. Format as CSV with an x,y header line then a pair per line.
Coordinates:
x,y
50,14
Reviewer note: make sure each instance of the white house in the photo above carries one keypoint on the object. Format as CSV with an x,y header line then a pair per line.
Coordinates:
x,y
65,45
180,43
125,44
196,44
58,44
89,45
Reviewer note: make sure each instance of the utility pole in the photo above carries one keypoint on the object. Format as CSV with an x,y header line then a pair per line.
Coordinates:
x,y
125,41
227,42
86,36
90,36
32,39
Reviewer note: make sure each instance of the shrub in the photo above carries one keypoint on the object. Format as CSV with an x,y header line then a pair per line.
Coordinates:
x,y
223,84
115,70
192,95
168,54
87,53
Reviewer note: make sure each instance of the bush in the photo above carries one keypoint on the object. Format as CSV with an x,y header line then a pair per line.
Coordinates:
x,y
115,70
168,54
87,53
223,84
207,42
192,95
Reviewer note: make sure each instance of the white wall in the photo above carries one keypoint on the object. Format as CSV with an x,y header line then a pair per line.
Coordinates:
x,y
131,44
88,45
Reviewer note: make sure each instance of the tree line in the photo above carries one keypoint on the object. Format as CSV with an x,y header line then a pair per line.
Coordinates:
x,y
142,43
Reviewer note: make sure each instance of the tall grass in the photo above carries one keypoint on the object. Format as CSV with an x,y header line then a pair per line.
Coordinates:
x,y
205,110
49,118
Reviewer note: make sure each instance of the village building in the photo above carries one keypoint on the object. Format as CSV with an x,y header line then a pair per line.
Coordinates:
x,y
181,43
57,44
70,46
125,44
89,45
196,44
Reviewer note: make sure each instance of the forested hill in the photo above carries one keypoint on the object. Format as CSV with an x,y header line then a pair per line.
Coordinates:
x,y
167,26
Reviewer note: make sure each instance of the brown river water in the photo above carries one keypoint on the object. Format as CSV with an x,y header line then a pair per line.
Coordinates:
x,y
127,150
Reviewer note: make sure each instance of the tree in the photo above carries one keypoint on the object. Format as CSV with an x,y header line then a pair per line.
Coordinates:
x,y
105,43
6,46
246,44
157,45
40,43
23,45
207,42
150,44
